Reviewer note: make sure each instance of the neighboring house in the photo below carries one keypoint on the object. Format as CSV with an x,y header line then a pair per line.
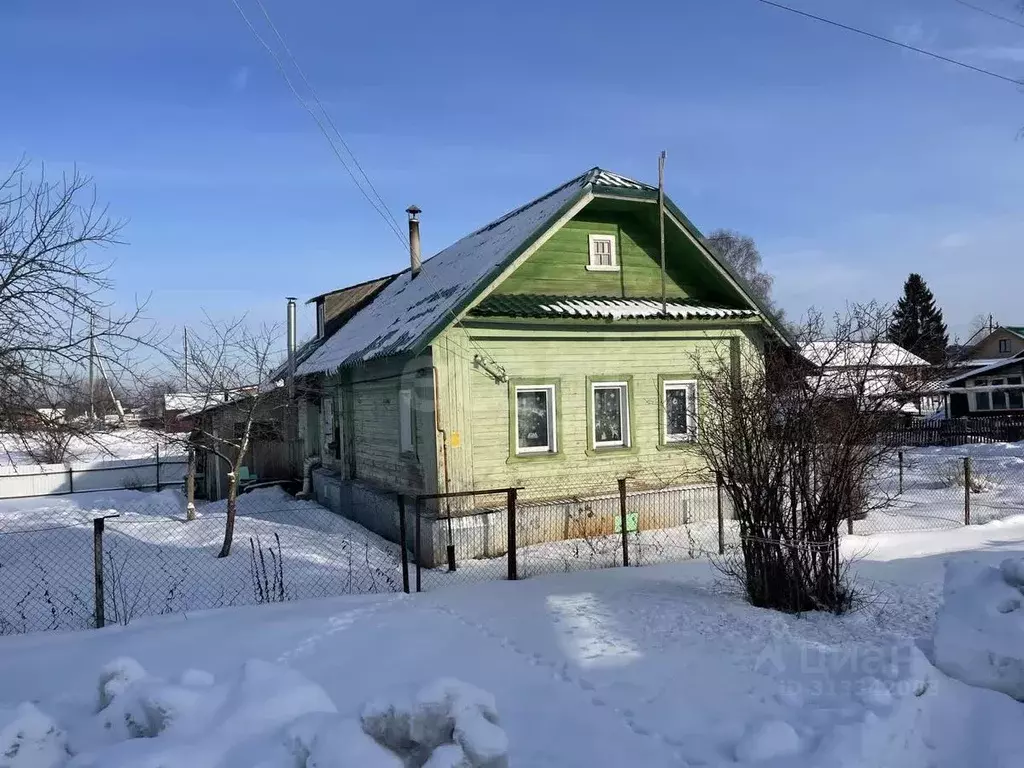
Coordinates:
x,y
874,370
1002,342
270,455
996,389
534,352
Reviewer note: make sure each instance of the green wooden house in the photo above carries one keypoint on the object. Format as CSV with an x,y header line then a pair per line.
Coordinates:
x,y
534,352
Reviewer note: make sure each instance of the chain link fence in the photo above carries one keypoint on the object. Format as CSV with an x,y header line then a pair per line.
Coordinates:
x,y
942,488
143,557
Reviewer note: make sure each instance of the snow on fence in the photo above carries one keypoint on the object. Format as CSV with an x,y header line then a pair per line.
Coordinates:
x,y
154,473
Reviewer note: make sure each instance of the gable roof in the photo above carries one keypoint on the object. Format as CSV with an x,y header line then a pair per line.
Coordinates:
x,y
850,354
410,311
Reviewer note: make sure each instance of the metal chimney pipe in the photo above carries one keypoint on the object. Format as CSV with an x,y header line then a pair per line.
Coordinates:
x,y
291,347
415,262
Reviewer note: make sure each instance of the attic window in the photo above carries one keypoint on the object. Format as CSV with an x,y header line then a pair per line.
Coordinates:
x,y
1004,346
603,254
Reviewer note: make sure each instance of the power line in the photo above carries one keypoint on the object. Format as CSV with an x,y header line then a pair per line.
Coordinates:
x,y
323,110
323,129
381,209
993,14
890,41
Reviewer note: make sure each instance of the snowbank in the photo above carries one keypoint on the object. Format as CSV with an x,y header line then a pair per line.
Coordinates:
x,y
267,716
979,635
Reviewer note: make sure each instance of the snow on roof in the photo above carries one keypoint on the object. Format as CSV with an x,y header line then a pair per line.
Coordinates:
x,y
995,366
850,354
190,402
410,307
610,308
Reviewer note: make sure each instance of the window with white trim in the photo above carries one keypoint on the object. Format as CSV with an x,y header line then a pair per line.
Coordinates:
x,y
603,253
406,422
535,419
679,401
610,411
1003,393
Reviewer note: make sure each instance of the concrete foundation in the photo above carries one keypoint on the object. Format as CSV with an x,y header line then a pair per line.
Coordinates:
x,y
483,532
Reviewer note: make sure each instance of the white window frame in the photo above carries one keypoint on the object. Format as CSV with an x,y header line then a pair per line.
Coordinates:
x,y
611,240
406,421
623,387
552,446
691,410
989,388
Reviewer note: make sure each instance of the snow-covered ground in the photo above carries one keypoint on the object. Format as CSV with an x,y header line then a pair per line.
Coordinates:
x,y
658,666
933,488
126,443
155,562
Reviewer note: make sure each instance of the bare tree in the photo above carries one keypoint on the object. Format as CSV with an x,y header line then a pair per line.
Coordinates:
x,y
799,448
741,253
56,316
232,395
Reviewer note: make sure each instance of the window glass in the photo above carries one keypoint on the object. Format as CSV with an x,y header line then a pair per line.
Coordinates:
x,y
981,401
679,402
1016,398
610,418
534,419
999,400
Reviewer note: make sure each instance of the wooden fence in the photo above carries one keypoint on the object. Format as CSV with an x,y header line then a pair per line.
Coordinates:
x,y
921,432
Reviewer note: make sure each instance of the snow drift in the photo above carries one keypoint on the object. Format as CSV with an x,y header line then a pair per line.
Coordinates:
x,y
979,635
266,716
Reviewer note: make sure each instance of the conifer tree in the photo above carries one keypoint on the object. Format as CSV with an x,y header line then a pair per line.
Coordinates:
x,y
917,324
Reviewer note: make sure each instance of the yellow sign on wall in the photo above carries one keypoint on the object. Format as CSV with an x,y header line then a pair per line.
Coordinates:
x,y
456,440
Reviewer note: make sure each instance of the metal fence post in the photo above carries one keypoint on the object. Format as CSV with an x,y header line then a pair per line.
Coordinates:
x,y
419,544
513,573
158,467
623,522
719,482
967,490
97,567
901,471
71,479
402,543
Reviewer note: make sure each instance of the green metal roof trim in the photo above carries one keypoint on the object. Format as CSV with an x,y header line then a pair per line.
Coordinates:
x,y
411,311
602,307
1018,329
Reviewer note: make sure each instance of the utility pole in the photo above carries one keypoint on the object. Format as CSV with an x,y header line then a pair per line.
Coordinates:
x,y
185,352
661,226
92,371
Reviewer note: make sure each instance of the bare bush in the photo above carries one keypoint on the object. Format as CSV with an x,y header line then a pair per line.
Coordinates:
x,y
797,445
953,474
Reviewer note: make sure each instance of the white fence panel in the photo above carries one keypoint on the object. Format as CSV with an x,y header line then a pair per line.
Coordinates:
x,y
52,479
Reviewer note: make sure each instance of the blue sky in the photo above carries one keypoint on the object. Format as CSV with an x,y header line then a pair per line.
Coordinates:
x,y
850,162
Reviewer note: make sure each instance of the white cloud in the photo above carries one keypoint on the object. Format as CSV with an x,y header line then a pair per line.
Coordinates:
x,y
240,79
954,241
1014,53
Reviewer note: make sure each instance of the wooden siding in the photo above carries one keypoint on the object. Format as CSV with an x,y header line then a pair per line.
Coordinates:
x,y
988,348
559,267
366,400
571,357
